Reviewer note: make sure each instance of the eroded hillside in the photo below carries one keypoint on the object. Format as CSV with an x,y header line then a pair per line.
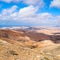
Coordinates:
x,y
18,44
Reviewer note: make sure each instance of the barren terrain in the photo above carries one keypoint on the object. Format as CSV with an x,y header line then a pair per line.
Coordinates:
x,y
30,44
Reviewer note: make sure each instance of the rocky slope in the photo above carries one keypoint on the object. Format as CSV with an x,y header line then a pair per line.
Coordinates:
x,y
29,45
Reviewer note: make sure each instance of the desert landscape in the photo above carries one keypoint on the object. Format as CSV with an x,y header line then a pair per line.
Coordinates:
x,y
29,29
30,43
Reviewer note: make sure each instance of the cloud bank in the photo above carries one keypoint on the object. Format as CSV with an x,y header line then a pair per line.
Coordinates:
x,y
29,15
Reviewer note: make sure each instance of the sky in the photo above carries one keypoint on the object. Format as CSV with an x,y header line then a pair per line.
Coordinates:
x,y
29,12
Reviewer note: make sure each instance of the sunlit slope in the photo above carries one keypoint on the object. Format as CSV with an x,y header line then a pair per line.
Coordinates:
x,y
28,45
10,51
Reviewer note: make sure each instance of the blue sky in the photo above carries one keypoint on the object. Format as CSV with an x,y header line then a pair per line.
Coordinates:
x,y
29,12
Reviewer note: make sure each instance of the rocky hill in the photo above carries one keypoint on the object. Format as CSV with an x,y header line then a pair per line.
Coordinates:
x,y
19,44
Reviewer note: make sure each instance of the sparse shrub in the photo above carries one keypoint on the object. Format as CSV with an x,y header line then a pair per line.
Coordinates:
x,y
13,52
45,58
32,46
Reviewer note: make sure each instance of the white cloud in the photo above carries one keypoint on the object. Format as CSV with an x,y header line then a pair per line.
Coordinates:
x,y
28,11
9,11
8,1
28,15
55,3
39,3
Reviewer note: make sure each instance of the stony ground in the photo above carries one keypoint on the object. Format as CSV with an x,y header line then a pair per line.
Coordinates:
x,y
29,44
9,51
